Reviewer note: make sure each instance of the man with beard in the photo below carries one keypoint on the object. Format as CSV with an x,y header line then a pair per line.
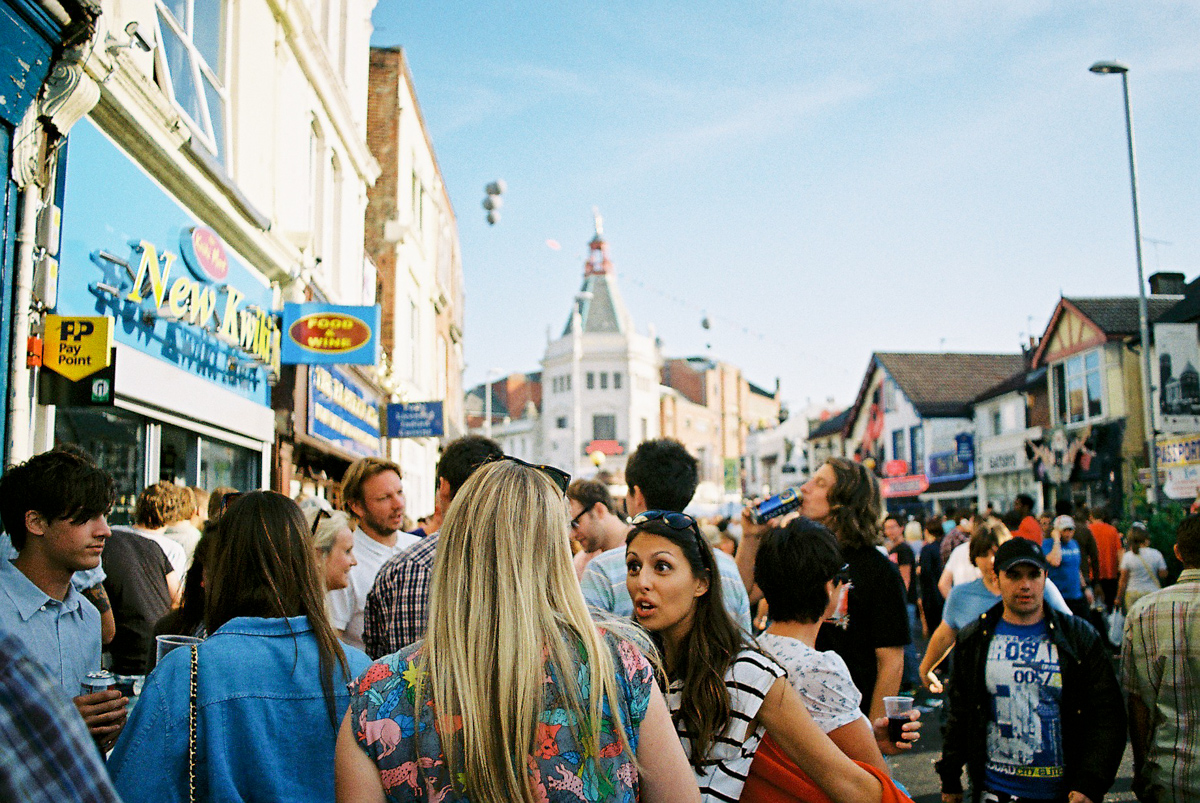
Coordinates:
x,y
594,521
372,491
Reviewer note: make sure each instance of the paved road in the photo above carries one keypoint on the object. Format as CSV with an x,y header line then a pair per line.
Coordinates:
x,y
915,769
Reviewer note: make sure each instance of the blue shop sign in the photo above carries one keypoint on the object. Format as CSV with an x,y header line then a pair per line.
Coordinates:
x,y
415,420
134,253
947,466
965,442
340,413
330,334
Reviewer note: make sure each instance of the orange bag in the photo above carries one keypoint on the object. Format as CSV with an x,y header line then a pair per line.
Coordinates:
x,y
774,778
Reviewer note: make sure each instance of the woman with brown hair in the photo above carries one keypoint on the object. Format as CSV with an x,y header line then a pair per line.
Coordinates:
x,y
269,683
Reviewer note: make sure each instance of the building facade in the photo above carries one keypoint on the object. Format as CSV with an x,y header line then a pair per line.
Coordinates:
x,y
412,237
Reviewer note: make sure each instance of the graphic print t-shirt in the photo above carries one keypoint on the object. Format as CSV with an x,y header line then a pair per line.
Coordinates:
x,y
1024,735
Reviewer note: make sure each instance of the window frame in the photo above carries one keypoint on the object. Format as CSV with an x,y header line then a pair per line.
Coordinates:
x,y
216,143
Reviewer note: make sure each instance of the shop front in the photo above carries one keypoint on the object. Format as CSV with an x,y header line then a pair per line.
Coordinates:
x,y
1082,465
195,337
1004,470
337,420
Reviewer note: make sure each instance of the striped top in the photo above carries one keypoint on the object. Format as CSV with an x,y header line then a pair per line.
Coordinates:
x,y
747,681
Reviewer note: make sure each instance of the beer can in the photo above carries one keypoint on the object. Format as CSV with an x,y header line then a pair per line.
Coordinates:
x,y
96,681
777,505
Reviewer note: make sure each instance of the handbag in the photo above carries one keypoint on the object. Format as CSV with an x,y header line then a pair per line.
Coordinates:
x,y
192,726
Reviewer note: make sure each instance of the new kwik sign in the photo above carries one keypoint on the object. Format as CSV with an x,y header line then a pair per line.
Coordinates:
x,y
216,308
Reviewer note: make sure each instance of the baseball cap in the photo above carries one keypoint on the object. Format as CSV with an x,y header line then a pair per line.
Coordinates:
x,y
1064,523
1019,550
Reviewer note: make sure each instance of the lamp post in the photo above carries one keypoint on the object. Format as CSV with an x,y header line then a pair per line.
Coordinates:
x,y
1109,68
581,298
487,403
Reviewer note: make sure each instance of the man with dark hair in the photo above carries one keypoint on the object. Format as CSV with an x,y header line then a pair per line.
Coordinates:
x,y
905,559
1034,709
1160,668
397,606
373,492
53,507
660,475
595,522
1028,528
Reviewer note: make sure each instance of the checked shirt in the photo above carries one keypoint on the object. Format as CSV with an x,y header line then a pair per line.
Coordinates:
x,y
397,609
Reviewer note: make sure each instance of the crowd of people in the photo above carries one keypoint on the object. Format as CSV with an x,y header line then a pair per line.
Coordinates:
x,y
538,639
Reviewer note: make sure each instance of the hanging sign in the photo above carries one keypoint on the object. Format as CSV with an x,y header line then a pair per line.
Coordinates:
x,y
77,346
912,485
341,413
330,334
415,420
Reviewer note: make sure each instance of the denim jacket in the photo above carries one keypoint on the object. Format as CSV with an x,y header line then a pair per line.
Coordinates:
x,y
263,728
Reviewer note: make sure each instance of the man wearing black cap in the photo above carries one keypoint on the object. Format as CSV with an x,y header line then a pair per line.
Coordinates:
x,y
1035,712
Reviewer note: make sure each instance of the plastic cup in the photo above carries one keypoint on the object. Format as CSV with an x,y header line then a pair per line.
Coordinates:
x,y
164,644
897,710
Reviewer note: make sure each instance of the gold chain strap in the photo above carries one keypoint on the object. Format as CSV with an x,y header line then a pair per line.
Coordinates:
x,y
192,729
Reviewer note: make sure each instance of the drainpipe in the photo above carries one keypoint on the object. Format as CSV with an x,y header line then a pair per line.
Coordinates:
x,y
20,411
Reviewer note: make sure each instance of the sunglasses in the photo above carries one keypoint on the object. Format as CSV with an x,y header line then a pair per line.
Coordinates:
x,y
582,513
321,514
676,521
559,477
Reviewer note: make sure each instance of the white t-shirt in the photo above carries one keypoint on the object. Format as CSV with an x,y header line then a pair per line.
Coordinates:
x,y
1141,580
346,605
821,678
172,549
959,565
747,681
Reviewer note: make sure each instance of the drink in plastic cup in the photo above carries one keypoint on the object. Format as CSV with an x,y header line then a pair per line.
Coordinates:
x,y
167,643
897,710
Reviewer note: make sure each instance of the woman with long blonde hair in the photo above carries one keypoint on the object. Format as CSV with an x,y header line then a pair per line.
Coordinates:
x,y
514,694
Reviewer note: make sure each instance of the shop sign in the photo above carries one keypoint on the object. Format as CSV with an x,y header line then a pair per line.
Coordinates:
x,y
340,413
1182,482
76,347
948,466
415,420
965,444
175,291
1001,462
912,485
895,468
330,334
1176,379
97,389
1182,451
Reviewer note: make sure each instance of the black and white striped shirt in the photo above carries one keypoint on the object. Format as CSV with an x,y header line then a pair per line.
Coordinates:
x,y
747,681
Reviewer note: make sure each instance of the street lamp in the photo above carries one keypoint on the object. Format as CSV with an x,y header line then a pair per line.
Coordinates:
x,y
492,373
1109,68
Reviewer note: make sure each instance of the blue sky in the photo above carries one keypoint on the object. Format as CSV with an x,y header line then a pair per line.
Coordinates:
x,y
823,180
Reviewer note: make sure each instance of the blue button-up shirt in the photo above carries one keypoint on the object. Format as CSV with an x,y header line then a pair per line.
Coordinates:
x,y
63,636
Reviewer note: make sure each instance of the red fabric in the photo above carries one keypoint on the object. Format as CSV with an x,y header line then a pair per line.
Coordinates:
x,y
1108,544
775,779
1030,530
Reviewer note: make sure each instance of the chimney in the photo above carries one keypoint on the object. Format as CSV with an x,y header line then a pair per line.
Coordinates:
x,y
1166,284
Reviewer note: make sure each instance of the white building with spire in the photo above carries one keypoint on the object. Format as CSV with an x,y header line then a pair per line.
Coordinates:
x,y
600,379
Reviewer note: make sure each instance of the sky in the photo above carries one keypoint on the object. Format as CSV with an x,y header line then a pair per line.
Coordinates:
x,y
818,180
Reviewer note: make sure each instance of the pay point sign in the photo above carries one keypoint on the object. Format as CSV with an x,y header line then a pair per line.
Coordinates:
x,y
77,346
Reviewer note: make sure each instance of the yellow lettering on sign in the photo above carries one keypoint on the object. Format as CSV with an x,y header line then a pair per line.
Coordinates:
x,y
148,267
178,299
229,321
77,347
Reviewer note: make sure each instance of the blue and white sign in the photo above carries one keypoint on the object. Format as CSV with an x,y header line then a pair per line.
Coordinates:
x,y
948,466
415,420
340,412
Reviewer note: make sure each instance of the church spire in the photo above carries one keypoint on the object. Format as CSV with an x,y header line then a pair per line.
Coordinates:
x,y
597,263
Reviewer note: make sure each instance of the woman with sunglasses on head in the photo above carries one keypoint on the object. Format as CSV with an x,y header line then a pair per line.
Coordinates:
x,y
269,681
725,695
514,694
800,571
333,545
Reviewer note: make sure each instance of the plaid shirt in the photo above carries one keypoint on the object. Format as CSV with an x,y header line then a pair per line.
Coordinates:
x,y
398,605
46,753
1160,664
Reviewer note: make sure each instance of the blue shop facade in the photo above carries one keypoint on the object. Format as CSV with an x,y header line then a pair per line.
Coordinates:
x,y
195,331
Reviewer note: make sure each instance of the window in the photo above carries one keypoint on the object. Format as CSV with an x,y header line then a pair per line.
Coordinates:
x,y
645,428
898,444
997,424
916,442
561,422
591,381
604,380
889,398
617,381
1077,388
604,427
189,66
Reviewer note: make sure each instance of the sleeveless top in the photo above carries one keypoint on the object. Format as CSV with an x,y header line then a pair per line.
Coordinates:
x,y
410,752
